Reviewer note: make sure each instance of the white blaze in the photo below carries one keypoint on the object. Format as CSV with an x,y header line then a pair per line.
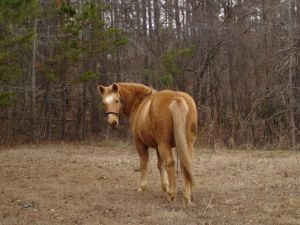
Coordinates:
x,y
109,99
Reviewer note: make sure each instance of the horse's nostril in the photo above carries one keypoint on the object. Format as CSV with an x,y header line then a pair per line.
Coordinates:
x,y
114,124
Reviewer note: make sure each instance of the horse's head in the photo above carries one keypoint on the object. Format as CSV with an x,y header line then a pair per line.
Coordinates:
x,y
112,103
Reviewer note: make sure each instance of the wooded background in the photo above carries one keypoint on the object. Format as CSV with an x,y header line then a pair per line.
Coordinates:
x,y
238,59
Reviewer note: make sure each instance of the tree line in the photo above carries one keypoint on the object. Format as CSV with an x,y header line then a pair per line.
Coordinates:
x,y
238,59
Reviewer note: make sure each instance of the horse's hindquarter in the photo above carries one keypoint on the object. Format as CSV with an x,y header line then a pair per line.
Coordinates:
x,y
191,123
161,118
162,122
153,122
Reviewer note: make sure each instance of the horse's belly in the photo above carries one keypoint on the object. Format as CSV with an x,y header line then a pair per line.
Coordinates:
x,y
149,141
147,138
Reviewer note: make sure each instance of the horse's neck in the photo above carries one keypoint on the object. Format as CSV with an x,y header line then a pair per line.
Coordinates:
x,y
133,96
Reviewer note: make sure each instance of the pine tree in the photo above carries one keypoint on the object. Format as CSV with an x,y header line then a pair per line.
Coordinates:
x,y
15,43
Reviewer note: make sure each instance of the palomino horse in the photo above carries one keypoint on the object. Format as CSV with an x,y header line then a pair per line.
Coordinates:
x,y
160,120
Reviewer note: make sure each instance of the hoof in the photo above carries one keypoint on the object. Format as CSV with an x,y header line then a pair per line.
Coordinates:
x,y
189,203
165,189
171,197
141,189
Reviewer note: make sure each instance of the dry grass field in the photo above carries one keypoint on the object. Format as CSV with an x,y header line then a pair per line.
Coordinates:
x,y
91,184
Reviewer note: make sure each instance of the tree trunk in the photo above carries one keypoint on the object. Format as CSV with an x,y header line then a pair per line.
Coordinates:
x,y
177,21
290,78
33,84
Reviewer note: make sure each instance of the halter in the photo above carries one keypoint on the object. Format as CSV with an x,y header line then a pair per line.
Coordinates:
x,y
115,113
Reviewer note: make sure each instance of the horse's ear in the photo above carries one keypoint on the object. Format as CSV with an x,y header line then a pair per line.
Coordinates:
x,y
115,87
101,89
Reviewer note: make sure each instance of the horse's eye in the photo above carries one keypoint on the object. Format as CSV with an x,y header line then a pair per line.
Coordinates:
x,y
116,101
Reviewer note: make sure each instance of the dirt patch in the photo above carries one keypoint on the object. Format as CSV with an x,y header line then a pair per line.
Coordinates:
x,y
78,184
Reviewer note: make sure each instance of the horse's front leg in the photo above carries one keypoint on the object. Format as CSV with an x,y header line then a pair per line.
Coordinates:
x,y
144,158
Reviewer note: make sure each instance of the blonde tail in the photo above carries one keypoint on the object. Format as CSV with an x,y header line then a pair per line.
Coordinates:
x,y
179,110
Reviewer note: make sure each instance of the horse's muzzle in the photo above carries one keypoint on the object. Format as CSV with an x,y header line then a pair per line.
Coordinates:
x,y
114,124
113,120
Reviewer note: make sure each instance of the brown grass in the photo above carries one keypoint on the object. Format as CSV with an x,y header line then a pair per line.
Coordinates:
x,y
96,184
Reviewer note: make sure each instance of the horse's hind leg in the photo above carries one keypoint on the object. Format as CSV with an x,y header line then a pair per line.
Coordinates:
x,y
163,173
166,155
187,190
144,158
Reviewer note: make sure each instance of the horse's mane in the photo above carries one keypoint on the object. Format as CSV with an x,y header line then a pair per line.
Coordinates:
x,y
139,88
133,94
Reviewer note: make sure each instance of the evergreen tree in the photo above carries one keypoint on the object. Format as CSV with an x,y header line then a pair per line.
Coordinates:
x,y
15,43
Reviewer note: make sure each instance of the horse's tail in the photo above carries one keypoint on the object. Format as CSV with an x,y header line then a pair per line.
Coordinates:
x,y
179,110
